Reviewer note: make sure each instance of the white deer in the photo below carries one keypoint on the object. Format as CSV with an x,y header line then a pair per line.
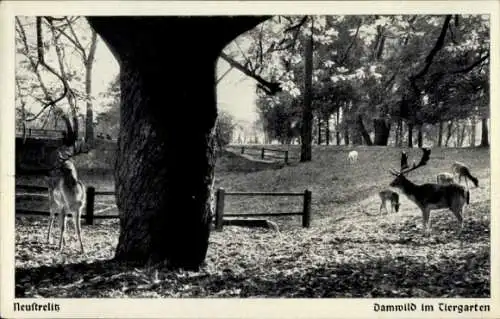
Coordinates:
x,y
352,157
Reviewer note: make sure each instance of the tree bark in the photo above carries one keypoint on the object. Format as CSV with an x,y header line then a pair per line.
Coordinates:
x,y
484,133
382,130
89,118
410,135
327,130
337,127
163,178
319,130
473,131
307,116
420,137
362,130
440,134
449,134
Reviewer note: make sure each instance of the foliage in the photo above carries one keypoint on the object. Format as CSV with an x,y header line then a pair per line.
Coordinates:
x,y
377,66
224,129
108,121
350,251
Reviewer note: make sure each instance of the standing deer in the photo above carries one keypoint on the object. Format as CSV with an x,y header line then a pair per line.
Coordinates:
x,y
389,196
445,178
352,157
66,191
431,196
462,170
66,198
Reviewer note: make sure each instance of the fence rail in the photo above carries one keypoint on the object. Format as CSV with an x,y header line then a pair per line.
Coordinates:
x,y
89,215
221,196
263,150
91,193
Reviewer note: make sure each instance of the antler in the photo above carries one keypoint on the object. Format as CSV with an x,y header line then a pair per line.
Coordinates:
x,y
423,161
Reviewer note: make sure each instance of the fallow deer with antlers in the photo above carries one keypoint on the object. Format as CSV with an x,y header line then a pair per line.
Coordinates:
x,y
431,196
66,191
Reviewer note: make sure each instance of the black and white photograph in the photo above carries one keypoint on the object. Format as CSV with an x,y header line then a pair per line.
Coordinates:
x,y
291,155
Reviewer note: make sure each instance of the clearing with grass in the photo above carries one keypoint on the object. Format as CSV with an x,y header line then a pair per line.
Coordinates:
x,y
350,250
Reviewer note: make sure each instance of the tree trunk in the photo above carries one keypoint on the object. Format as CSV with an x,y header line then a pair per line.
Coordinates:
x,y
346,134
89,118
337,127
163,198
382,130
440,134
484,133
449,134
307,117
473,131
363,131
319,130
410,135
327,130
420,137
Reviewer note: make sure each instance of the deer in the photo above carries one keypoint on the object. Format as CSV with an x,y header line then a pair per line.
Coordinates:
x,y
66,192
431,196
67,197
445,178
352,157
387,195
462,170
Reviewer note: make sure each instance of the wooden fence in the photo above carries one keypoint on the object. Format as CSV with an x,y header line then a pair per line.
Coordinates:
x,y
91,193
40,133
221,195
89,215
263,150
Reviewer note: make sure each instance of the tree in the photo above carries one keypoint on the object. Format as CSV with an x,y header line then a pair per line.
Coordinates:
x,y
164,177
223,130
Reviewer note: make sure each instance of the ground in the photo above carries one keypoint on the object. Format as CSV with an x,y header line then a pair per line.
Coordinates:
x,y
349,250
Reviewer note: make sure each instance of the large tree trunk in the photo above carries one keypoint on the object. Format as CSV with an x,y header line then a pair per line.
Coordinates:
x,y
382,129
163,178
484,133
307,116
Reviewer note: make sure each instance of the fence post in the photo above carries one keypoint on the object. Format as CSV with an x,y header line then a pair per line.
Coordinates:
x,y
262,155
242,149
89,218
219,209
306,217
286,157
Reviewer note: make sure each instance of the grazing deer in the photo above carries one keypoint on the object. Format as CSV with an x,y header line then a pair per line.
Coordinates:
x,y
66,197
462,170
445,178
352,157
389,196
431,196
66,192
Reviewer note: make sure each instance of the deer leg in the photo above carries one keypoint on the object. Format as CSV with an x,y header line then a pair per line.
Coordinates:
x,y
381,206
426,220
62,220
78,225
52,216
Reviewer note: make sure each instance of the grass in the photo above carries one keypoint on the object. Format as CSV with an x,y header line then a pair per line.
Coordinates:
x,y
349,251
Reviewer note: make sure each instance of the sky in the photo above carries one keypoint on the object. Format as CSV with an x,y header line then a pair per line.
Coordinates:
x,y
235,92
